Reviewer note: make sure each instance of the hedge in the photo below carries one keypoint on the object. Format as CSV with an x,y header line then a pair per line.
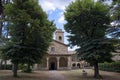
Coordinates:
x,y
7,67
113,66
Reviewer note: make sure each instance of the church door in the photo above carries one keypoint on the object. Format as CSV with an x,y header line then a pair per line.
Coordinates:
x,y
52,66
53,63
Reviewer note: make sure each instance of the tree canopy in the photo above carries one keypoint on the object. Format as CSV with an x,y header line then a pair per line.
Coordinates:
x,y
30,31
114,29
87,23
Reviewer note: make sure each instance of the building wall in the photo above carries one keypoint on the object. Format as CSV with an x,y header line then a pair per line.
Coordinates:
x,y
58,55
59,48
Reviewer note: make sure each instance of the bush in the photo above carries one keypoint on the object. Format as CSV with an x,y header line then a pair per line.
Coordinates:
x,y
7,67
23,67
27,70
114,66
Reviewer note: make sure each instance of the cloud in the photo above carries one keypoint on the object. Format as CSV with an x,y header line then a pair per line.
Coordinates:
x,y
61,19
47,6
55,6
51,5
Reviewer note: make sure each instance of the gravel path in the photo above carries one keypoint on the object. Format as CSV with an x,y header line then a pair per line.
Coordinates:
x,y
55,75
58,75
110,75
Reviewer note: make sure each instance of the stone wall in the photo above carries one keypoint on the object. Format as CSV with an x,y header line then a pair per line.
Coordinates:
x,y
59,48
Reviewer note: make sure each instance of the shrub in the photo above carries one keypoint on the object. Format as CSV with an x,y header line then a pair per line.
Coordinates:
x,y
23,67
27,70
7,67
114,66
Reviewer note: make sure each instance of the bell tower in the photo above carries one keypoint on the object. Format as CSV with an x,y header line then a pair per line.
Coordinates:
x,y
59,35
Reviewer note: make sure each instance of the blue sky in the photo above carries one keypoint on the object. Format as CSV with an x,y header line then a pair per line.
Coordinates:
x,y
55,10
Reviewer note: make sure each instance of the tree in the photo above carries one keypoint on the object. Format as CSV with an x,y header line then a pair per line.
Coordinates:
x,y
30,32
1,12
3,56
86,23
2,26
114,28
2,15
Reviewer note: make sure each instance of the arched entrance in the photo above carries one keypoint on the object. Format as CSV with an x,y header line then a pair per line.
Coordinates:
x,y
52,63
78,65
73,65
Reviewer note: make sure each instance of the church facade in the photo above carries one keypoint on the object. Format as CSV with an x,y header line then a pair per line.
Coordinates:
x,y
58,57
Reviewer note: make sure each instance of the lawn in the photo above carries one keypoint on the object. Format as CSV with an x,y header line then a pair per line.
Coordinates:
x,y
58,75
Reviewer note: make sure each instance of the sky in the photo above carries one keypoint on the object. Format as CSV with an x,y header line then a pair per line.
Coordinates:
x,y
55,10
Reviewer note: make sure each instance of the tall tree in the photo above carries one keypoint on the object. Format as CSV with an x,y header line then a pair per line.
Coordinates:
x,y
2,26
86,22
114,29
30,32
2,15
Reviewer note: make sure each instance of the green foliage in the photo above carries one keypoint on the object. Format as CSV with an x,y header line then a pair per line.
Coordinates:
x,y
28,30
27,70
114,66
1,7
114,29
86,21
96,50
3,50
86,18
24,68
7,67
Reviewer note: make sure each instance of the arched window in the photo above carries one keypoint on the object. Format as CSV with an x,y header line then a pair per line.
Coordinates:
x,y
52,49
73,64
60,38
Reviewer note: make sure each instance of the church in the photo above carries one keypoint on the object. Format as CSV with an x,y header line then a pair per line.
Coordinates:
x,y
58,57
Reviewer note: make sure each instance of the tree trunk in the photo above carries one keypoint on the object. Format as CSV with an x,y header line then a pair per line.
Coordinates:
x,y
28,68
15,68
1,7
5,64
1,64
1,27
96,70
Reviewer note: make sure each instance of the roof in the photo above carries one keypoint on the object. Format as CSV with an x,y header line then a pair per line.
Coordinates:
x,y
59,31
60,42
72,52
68,53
